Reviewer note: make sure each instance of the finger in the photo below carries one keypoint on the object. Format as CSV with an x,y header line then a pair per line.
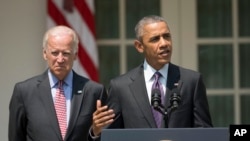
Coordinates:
x,y
101,110
103,124
98,104
99,114
103,116
106,113
99,107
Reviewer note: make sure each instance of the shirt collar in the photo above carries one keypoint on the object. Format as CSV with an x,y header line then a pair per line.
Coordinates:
x,y
53,80
149,71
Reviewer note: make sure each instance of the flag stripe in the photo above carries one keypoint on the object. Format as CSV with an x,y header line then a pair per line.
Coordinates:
x,y
88,63
56,14
79,24
86,14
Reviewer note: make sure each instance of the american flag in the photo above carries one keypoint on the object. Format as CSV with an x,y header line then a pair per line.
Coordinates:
x,y
79,15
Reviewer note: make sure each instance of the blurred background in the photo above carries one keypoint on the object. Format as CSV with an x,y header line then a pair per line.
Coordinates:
x,y
209,36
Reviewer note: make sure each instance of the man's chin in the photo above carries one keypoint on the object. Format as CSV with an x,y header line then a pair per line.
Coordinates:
x,y
59,71
165,61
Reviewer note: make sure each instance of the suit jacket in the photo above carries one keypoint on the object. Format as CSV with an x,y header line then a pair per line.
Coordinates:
x,y
129,99
32,113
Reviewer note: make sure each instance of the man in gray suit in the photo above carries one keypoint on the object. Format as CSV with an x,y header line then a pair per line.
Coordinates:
x,y
32,114
130,94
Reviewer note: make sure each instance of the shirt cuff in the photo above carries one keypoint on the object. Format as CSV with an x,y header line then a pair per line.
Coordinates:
x,y
92,134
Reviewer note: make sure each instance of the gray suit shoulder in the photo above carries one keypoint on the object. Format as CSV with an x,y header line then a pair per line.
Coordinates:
x,y
130,74
31,81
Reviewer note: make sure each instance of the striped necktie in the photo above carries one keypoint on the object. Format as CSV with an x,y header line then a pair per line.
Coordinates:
x,y
60,107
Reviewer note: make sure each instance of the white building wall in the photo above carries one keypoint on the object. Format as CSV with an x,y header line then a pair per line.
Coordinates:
x,y
22,25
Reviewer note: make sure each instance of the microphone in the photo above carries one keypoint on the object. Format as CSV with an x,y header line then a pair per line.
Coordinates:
x,y
175,98
156,98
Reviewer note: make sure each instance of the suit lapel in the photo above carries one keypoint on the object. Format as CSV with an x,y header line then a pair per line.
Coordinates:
x,y
44,91
138,89
173,77
76,101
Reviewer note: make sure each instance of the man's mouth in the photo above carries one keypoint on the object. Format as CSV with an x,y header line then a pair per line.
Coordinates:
x,y
165,52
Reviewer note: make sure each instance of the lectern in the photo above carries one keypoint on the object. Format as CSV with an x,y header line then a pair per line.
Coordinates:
x,y
166,134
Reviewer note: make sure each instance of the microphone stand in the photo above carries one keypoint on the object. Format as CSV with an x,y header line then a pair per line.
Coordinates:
x,y
157,105
166,112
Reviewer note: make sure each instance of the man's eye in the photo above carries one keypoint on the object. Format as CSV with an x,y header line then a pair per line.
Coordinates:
x,y
154,39
167,36
66,54
54,53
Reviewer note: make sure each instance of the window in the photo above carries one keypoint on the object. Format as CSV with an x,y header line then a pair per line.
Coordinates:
x,y
115,22
223,44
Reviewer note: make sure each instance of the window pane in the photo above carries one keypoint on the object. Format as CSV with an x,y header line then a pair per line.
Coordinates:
x,y
136,9
134,58
221,110
109,63
244,66
106,19
244,17
245,112
215,63
214,18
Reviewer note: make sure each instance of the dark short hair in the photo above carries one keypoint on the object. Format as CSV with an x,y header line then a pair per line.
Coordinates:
x,y
144,21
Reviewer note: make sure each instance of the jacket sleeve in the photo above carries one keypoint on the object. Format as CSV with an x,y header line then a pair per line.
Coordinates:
x,y
202,116
17,117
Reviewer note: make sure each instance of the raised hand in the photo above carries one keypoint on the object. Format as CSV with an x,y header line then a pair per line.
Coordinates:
x,y
101,117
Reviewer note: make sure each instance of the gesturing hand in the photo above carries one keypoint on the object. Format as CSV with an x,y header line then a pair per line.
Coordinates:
x,y
101,117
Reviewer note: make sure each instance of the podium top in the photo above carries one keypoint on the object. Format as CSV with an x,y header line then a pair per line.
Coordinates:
x,y
166,134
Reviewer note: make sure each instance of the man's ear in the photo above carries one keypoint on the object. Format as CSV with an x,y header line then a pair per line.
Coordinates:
x,y
44,54
139,46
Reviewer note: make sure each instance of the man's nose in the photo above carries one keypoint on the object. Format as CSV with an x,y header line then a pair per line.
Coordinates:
x,y
60,57
163,41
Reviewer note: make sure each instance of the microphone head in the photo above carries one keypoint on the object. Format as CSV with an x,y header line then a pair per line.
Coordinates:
x,y
175,98
156,98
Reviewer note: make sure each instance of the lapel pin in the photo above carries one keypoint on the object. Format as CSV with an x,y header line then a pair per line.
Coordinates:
x,y
79,91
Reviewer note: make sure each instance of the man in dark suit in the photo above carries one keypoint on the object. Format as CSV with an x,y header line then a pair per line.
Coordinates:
x,y
130,94
32,114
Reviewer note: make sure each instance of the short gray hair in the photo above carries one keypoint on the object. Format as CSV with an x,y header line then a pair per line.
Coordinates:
x,y
61,29
144,21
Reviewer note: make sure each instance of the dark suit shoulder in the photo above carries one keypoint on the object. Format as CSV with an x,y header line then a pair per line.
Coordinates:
x,y
78,78
130,75
32,80
185,71
94,84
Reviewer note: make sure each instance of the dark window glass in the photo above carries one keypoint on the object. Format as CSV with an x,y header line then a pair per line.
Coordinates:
x,y
214,18
244,65
221,110
245,112
109,63
244,17
136,9
107,21
216,65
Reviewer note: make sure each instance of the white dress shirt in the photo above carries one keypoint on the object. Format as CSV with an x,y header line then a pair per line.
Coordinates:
x,y
149,79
